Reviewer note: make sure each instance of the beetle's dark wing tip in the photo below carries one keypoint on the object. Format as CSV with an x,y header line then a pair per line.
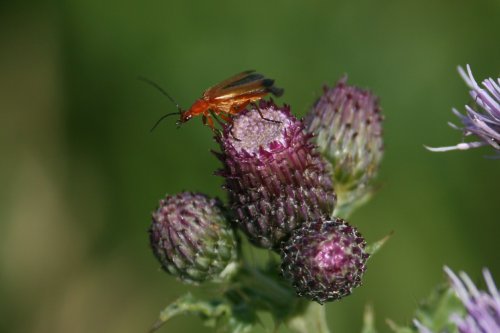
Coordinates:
x,y
270,87
276,91
267,83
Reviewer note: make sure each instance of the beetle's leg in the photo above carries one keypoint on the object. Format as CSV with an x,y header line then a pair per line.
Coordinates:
x,y
231,131
215,115
238,108
226,118
262,116
210,122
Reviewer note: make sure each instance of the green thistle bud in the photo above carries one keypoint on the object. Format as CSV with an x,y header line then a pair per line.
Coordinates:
x,y
275,178
347,122
192,239
324,260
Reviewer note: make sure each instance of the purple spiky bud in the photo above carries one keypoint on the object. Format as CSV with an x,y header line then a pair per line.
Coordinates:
x,y
347,122
324,260
192,239
274,176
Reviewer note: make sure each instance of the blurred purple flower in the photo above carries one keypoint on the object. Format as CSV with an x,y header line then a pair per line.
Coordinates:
x,y
482,308
483,121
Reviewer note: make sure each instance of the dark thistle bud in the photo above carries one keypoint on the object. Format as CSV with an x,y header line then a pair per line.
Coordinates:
x,y
274,177
324,260
192,239
347,122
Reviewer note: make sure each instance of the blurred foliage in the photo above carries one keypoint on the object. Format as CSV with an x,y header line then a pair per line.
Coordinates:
x,y
434,312
80,173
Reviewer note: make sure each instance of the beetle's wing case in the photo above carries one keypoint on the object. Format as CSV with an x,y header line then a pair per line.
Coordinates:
x,y
246,85
228,82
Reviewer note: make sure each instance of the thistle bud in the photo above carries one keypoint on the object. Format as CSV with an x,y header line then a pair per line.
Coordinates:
x,y
275,178
192,239
324,260
347,122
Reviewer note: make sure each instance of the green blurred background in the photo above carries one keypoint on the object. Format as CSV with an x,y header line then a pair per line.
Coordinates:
x,y
80,173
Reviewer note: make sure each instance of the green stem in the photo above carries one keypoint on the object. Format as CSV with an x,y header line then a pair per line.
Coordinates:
x,y
265,292
311,320
267,287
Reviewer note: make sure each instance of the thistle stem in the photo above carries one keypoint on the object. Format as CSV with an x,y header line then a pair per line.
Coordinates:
x,y
311,320
307,317
267,287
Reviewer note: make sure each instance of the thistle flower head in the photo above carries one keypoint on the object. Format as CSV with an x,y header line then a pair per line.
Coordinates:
x,y
324,260
482,120
274,177
347,122
483,308
192,239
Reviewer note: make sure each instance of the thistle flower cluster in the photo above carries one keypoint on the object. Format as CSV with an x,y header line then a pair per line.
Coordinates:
x,y
482,120
282,194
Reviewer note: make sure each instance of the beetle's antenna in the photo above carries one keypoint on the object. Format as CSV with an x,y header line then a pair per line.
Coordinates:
x,y
157,86
165,93
163,117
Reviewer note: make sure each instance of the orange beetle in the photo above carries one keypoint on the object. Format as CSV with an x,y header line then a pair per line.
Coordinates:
x,y
225,99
